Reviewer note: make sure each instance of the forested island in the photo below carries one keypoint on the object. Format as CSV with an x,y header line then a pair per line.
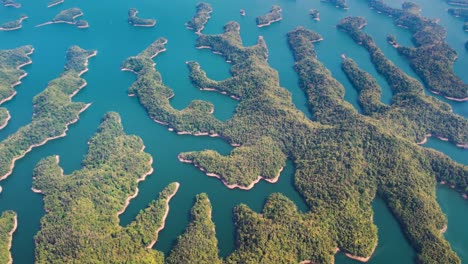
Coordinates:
x,y
198,21
411,112
54,3
13,25
136,21
271,17
314,13
8,224
432,58
11,62
342,159
52,114
68,16
338,3
11,3
92,198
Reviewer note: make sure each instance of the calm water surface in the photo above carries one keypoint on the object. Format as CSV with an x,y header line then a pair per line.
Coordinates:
x,y
107,87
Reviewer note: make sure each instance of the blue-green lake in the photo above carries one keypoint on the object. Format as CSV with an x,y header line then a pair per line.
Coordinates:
x,y
115,40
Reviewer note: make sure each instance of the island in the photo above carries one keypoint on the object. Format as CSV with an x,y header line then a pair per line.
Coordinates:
x,y
54,3
338,3
134,20
13,25
198,244
271,17
458,2
202,15
11,73
53,112
242,12
68,16
92,198
342,158
11,3
8,224
314,13
432,58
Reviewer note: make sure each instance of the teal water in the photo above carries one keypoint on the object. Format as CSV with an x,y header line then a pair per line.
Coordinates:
x,y
107,88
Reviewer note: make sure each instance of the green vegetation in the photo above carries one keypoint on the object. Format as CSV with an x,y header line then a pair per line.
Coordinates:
x,y
88,202
11,62
198,244
13,25
197,23
68,16
11,3
338,3
7,227
139,22
53,111
314,13
411,7
411,113
273,16
432,58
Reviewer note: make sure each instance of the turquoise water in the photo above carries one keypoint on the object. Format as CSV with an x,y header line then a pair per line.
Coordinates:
x,y
107,87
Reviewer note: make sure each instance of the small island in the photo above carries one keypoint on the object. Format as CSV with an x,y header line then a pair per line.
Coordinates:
x,y
11,3
338,3
202,15
458,2
13,25
391,39
8,225
314,13
242,12
54,3
136,21
273,16
68,16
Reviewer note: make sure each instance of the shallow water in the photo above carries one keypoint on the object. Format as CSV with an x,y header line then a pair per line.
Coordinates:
x,y
107,87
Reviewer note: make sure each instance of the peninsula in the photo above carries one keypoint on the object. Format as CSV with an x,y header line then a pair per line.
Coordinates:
x,y
53,112
13,25
8,224
11,62
197,23
271,17
136,21
432,58
68,16
90,198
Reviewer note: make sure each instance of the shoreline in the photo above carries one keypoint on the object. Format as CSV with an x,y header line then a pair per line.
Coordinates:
x,y
5,123
269,22
137,190
233,186
56,3
163,220
424,141
10,242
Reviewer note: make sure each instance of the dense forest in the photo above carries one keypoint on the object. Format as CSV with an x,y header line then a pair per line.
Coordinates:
x,y
431,58
200,18
81,223
53,111
13,25
11,62
7,227
69,16
134,20
273,16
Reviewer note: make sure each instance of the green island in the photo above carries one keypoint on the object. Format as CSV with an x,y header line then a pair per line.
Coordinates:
x,y
8,224
136,21
11,62
54,3
411,112
202,15
314,13
13,25
53,112
432,58
458,2
271,17
88,202
343,159
338,3
68,16
11,3
198,244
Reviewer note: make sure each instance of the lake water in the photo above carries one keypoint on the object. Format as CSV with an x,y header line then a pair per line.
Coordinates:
x,y
107,87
